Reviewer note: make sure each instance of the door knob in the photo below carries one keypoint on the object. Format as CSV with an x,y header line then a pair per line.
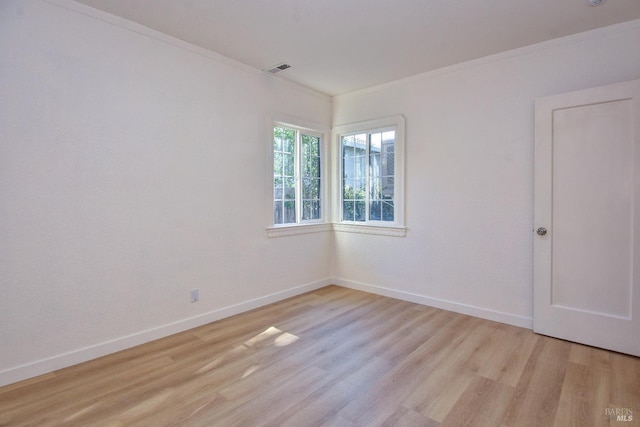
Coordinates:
x,y
541,231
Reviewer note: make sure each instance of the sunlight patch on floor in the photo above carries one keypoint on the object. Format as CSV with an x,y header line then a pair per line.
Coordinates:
x,y
286,339
263,336
250,371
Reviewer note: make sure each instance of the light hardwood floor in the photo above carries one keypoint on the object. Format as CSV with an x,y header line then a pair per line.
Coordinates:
x,y
338,357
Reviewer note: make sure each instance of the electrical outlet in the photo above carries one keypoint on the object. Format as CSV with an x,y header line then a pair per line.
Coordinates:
x,y
195,295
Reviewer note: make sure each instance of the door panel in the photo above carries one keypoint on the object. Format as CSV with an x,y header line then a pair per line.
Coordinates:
x,y
587,197
592,213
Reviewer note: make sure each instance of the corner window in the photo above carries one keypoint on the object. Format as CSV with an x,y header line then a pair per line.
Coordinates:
x,y
297,176
367,176
371,165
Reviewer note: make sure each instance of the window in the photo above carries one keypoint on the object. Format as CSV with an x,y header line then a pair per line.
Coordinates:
x,y
297,177
370,176
367,176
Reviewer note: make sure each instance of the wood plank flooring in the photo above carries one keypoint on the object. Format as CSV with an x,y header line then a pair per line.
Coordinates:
x,y
338,357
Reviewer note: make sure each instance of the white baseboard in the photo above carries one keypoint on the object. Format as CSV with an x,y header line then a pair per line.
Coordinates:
x,y
64,360
483,313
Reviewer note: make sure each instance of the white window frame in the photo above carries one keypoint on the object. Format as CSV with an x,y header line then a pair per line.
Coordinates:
x,y
388,228
303,226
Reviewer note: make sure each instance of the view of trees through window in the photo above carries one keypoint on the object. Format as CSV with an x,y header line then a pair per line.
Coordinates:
x,y
368,176
296,176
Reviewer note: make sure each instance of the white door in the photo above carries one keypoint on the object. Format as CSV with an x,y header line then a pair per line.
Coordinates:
x,y
587,217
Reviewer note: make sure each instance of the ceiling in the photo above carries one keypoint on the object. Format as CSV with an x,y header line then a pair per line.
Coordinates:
x,y
338,46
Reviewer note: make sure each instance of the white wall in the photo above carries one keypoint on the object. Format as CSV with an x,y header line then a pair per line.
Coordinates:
x,y
469,173
132,169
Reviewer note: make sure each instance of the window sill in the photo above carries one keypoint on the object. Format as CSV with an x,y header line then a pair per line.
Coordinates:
x,y
292,230
379,230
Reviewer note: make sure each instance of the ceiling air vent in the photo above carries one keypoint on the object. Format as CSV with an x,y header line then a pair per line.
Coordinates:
x,y
278,68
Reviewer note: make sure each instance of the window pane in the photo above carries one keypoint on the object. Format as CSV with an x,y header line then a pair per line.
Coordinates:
x,y
289,142
310,145
311,167
315,167
347,146
376,141
278,135
375,182
289,212
360,187
387,188
289,164
289,188
388,155
307,188
375,166
277,213
387,166
359,165
277,188
387,210
347,169
353,152
277,164
348,210
347,191
375,189
311,188
310,209
375,213
360,214
347,156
